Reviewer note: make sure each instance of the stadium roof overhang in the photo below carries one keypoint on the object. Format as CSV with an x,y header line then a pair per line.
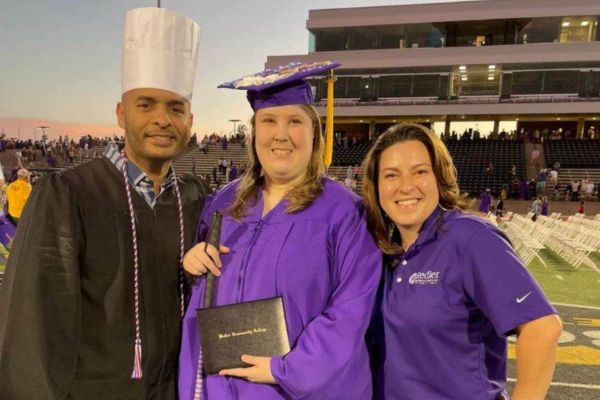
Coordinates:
x,y
448,12
462,117
541,111
423,57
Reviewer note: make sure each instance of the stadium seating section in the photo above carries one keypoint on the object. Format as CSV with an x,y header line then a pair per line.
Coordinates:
x,y
577,157
472,157
573,153
352,155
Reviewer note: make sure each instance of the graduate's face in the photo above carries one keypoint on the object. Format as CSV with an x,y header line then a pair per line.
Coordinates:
x,y
157,124
407,186
284,142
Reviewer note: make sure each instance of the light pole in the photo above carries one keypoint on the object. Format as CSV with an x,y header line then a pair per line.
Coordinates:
x,y
235,121
43,128
44,137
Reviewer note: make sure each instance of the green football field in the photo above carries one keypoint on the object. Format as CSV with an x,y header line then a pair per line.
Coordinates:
x,y
565,284
575,294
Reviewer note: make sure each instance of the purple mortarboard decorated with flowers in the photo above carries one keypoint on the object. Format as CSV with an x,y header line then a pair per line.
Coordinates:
x,y
280,86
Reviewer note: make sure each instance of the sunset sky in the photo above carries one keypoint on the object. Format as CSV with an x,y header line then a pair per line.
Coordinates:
x,y
60,64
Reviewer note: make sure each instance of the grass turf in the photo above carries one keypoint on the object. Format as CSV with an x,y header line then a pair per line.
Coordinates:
x,y
565,284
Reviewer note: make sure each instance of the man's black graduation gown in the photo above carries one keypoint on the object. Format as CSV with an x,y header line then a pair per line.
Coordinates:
x,y
66,305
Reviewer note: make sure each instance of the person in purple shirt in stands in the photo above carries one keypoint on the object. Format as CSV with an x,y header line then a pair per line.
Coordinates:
x,y
453,288
544,206
485,201
288,231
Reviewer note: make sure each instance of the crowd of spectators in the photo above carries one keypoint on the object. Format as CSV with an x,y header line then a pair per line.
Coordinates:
x,y
539,190
546,182
66,149
223,140
63,149
17,180
223,172
529,136
344,141
577,190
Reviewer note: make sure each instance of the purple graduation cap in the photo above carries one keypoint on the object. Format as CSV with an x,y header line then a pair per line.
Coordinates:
x,y
280,86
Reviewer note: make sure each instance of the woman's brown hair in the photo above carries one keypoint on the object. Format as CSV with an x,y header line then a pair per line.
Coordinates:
x,y
380,225
299,197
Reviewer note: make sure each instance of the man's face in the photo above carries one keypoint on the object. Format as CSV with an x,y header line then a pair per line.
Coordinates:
x,y
157,124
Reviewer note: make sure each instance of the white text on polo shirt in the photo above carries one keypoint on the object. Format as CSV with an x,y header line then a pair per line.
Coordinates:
x,y
424,278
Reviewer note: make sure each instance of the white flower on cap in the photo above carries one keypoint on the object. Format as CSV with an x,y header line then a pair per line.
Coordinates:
x,y
160,51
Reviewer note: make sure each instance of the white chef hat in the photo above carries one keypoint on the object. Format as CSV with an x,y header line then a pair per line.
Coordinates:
x,y
160,51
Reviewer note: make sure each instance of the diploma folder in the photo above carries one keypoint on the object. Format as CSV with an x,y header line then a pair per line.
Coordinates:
x,y
256,328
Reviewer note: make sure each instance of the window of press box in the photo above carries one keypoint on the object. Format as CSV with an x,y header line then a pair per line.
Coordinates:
x,y
539,30
395,86
546,82
578,29
475,80
527,82
458,34
557,82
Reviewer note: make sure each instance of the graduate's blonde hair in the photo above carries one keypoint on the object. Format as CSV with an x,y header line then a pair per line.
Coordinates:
x,y
300,196
380,225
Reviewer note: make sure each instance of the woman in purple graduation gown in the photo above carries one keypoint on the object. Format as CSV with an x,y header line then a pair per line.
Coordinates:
x,y
288,231
453,288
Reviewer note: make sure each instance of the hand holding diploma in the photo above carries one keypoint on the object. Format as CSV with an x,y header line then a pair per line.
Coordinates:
x,y
258,372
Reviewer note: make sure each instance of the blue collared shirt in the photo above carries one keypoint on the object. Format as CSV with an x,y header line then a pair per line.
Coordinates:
x,y
140,181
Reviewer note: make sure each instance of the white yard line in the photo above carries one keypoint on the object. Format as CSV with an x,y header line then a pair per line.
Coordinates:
x,y
576,306
565,384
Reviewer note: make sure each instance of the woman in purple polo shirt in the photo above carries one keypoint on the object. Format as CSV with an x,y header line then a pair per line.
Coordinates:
x,y
453,287
288,232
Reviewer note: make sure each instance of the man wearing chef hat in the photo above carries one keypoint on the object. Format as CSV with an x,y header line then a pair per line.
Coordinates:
x,y
92,298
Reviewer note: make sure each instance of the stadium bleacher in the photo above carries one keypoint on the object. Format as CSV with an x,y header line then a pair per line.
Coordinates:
x,y
573,153
472,158
578,158
353,155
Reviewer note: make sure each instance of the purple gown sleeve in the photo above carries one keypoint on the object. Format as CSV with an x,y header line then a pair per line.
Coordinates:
x,y
334,341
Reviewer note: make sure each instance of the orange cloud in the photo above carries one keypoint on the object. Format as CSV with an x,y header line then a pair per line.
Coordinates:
x,y
24,128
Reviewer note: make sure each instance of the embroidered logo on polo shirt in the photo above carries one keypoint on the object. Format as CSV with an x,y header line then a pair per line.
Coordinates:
x,y
522,299
424,278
